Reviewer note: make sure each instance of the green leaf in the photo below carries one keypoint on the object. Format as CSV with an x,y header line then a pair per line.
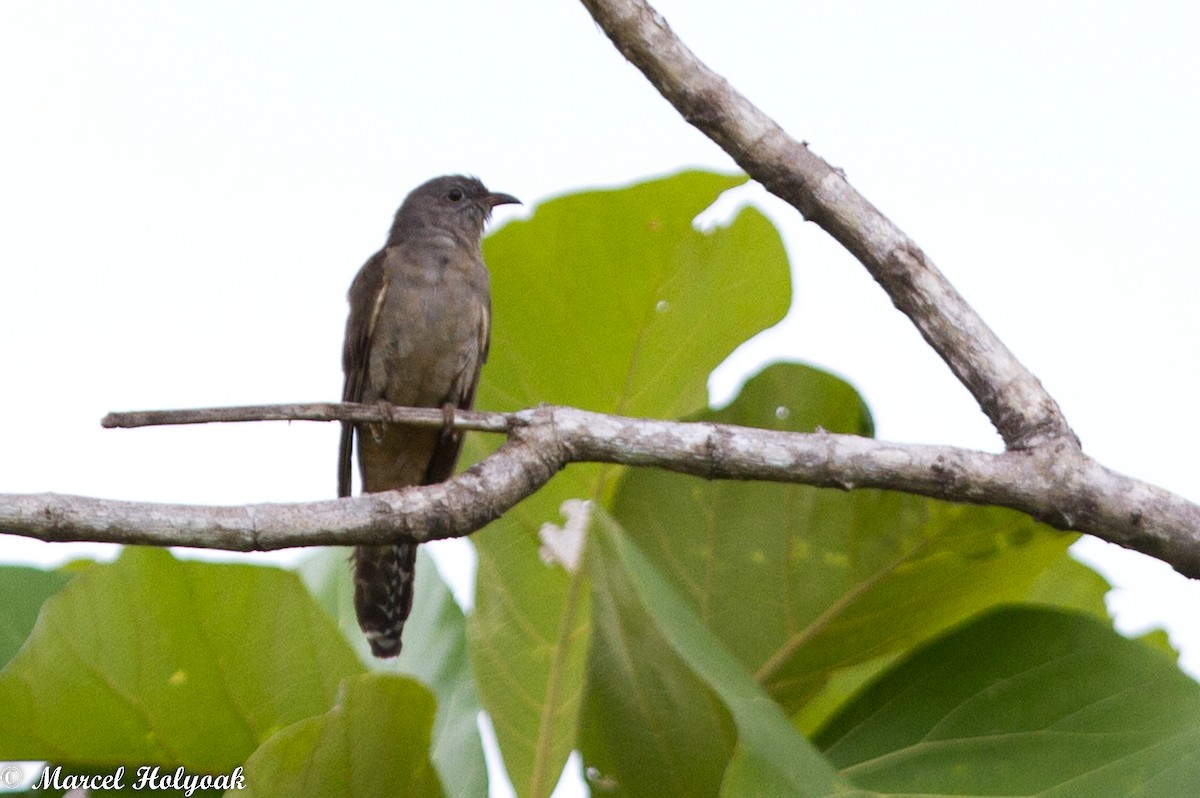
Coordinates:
x,y
1159,640
842,685
1025,701
650,725
1069,584
602,300
374,741
435,652
776,760
22,591
793,397
801,582
528,658
151,660
329,577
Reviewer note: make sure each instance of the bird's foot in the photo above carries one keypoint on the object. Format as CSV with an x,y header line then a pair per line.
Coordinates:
x,y
379,430
448,415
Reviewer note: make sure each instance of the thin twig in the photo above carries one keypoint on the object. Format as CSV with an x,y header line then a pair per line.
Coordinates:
x,y
315,411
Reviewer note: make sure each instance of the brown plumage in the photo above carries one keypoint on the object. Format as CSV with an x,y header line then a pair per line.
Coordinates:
x,y
417,336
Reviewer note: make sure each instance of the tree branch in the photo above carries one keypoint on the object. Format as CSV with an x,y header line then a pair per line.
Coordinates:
x,y
1044,473
1055,483
313,411
1019,407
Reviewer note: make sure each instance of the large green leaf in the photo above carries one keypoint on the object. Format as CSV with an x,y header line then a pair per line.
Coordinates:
x,y
1069,584
1030,702
603,300
151,660
22,591
677,680
801,582
606,299
653,725
375,741
1064,583
435,652
650,725
815,591
528,657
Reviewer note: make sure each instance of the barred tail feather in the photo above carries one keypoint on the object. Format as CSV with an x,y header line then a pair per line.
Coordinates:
x,y
383,593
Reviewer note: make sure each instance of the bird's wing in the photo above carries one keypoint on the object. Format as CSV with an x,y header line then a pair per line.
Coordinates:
x,y
367,295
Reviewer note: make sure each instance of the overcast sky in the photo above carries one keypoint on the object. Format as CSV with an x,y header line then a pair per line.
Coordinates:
x,y
186,191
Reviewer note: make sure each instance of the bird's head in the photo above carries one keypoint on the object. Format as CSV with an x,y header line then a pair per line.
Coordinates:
x,y
454,204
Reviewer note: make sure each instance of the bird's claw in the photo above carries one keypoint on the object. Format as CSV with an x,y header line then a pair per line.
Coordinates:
x,y
379,430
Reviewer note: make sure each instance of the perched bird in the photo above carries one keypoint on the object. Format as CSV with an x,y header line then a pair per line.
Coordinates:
x,y
417,336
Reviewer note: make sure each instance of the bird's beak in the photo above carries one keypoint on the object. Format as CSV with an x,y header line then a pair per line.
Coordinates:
x,y
496,198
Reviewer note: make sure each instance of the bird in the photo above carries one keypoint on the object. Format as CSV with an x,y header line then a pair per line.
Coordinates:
x,y
417,336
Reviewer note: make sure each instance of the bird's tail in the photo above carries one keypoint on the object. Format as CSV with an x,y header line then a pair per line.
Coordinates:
x,y
383,593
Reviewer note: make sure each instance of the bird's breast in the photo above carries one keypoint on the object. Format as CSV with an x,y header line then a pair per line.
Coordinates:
x,y
428,332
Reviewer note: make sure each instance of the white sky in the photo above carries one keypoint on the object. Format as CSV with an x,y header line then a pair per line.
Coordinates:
x,y
186,191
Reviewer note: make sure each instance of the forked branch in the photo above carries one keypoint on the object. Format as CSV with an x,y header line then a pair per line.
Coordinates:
x,y
1054,483
1044,473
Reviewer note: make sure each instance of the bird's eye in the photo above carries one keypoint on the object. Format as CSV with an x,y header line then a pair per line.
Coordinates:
x,y
455,194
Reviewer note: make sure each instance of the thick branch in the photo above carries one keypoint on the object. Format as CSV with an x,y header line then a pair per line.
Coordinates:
x,y
1017,404
1055,483
449,509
